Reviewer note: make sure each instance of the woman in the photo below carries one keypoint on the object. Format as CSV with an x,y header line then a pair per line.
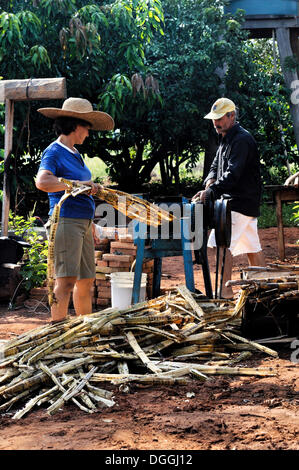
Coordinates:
x,y
74,241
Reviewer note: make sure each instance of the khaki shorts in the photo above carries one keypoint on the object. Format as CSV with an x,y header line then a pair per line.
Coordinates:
x,y
74,248
244,235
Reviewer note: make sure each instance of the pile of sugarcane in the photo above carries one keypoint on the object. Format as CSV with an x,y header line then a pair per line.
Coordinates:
x,y
282,284
168,340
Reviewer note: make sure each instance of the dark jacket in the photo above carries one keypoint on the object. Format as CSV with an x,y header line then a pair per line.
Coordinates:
x,y
236,168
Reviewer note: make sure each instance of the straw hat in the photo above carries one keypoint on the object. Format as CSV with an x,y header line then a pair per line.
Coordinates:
x,y
81,109
220,108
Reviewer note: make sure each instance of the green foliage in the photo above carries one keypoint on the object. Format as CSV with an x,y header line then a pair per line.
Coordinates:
x,y
34,263
97,46
268,216
295,215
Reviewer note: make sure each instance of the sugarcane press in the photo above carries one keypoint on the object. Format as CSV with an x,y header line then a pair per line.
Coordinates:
x,y
185,236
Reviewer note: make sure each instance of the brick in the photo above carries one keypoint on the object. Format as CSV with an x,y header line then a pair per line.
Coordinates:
x,y
119,264
103,302
121,244
149,263
122,232
104,295
123,252
102,283
103,291
102,263
39,290
126,239
101,276
113,257
108,270
147,270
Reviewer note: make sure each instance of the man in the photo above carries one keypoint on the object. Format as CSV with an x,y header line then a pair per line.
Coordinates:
x,y
235,171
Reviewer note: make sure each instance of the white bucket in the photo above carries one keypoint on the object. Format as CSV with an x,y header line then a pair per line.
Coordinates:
x,y
122,288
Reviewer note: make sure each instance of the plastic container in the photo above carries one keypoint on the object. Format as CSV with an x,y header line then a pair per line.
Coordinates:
x,y
122,288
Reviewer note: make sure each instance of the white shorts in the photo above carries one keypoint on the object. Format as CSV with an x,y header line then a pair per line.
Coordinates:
x,y
244,236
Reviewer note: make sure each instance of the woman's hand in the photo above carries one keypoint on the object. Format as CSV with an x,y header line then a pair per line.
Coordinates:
x,y
96,232
95,187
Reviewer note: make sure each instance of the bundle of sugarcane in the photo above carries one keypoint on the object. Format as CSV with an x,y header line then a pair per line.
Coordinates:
x,y
129,205
149,342
273,289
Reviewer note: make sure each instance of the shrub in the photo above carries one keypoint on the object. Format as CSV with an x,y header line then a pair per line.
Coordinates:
x,y
34,263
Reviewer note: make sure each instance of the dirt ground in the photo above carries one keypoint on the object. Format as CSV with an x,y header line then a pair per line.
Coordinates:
x,y
223,413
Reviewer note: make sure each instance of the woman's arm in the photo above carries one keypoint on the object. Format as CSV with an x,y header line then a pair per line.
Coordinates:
x,y
46,181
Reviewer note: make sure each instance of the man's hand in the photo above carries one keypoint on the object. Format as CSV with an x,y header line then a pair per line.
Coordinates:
x,y
209,182
197,197
201,196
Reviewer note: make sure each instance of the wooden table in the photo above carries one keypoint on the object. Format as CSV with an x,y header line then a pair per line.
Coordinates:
x,y
282,194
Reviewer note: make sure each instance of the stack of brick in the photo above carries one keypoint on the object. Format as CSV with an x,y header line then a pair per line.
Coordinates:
x,y
119,258
39,294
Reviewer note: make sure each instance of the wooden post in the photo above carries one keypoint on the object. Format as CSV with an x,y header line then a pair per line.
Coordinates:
x,y
280,234
9,112
33,89
22,90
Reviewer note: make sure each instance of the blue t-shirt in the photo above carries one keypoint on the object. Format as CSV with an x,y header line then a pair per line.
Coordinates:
x,y
66,164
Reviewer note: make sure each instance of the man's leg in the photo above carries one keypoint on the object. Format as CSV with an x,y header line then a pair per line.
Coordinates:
x,y
256,259
226,292
62,290
82,296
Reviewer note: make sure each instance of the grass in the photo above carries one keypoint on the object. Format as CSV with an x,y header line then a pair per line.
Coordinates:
x,y
268,216
97,168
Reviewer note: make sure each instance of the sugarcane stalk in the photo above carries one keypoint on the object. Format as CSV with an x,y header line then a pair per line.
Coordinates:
x,y
291,295
31,403
66,393
252,343
60,402
41,377
219,370
201,337
186,294
55,344
122,367
100,392
284,267
174,337
241,357
198,375
101,400
76,390
8,375
131,206
8,404
141,354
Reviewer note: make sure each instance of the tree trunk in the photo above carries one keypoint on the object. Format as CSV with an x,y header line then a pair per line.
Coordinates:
x,y
210,152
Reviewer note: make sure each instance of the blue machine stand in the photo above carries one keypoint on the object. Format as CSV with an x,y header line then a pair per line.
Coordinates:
x,y
190,236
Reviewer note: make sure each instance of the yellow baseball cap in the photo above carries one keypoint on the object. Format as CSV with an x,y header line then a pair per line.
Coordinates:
x,y
220,108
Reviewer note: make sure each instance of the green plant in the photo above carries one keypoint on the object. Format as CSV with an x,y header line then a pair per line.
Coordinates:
x,y
34,262
268,216
295,216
